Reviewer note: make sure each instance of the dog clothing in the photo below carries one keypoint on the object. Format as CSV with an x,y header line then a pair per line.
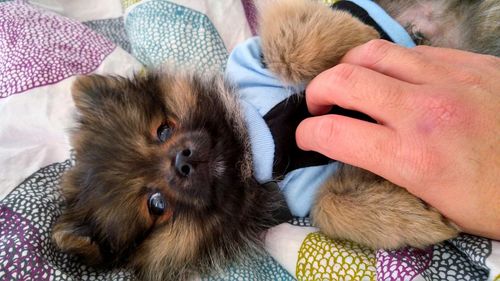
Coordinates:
x,y
273,111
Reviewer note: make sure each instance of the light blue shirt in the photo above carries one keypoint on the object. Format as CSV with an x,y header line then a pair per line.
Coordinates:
x,y
259,91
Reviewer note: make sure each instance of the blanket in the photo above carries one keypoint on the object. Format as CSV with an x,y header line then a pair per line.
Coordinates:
x,y
44,44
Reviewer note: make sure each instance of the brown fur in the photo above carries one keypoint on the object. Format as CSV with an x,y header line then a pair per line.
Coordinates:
x,y
472,25
360,206
302,38
217,215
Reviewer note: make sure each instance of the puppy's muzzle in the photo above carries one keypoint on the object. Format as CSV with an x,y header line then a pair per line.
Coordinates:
x,y
189,158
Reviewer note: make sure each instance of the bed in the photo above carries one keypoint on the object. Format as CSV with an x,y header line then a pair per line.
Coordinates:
x,y
45,44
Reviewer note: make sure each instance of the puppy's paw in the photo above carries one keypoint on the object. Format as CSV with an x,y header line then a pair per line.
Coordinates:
x,y
302,38
359,206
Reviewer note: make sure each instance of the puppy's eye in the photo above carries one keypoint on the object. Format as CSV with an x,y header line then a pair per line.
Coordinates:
x,y
164,132
157,204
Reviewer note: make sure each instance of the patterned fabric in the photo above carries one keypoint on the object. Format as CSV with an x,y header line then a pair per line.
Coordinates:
x,y
258,268
404,264
321,258
298,221
476,249
113,29
26,217
462,258
449,262
19,248
251,14
128,3
41,48
161,31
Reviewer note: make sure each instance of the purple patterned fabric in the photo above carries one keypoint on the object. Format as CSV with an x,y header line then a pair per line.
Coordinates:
x,y
26,249
40,48
20,249
403,264
251,14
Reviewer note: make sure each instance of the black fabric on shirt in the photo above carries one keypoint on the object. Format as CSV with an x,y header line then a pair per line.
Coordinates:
x,y
361,14
283,120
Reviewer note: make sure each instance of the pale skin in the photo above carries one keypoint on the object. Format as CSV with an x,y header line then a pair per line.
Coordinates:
x,y
438,130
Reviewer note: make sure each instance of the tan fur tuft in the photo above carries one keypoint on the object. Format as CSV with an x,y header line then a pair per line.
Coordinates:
x,y
300,39
359,206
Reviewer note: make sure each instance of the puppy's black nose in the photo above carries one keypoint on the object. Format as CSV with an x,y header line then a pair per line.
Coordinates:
x,y
181,162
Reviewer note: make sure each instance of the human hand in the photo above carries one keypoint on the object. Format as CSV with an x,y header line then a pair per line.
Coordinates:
x,y
438,130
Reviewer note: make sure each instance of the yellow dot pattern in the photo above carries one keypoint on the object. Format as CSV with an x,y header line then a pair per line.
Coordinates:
x,y
322,258
330,1
128,3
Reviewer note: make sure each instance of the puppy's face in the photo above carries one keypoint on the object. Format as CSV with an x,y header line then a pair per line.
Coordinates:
x,y
163,178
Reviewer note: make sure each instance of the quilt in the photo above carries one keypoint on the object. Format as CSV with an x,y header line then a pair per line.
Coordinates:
x,y
45,44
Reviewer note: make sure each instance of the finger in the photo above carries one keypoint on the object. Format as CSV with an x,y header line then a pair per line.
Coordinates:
x,y
395,61
361,89
359,143
457,57
466,67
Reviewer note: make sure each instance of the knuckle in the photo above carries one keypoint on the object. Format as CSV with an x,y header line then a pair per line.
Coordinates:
x,y
376,51
492,61
444,114
468,77
438,111
325,133
343,72
422,48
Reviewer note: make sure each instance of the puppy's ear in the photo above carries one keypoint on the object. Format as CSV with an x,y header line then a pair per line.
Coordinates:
x,y
75,238
91,91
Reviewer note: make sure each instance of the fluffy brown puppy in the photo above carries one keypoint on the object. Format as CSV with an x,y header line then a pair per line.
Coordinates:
x,y
163,178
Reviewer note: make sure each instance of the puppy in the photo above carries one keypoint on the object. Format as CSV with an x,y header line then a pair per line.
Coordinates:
x,y
164,180
161,183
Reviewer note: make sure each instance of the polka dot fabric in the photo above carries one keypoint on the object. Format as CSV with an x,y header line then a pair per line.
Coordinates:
x,y
258,268
128,3
322,258
113,29
251,14
40,48
26,218
19,249
403,264
299,221
161,31
476,249
462,258
448,263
